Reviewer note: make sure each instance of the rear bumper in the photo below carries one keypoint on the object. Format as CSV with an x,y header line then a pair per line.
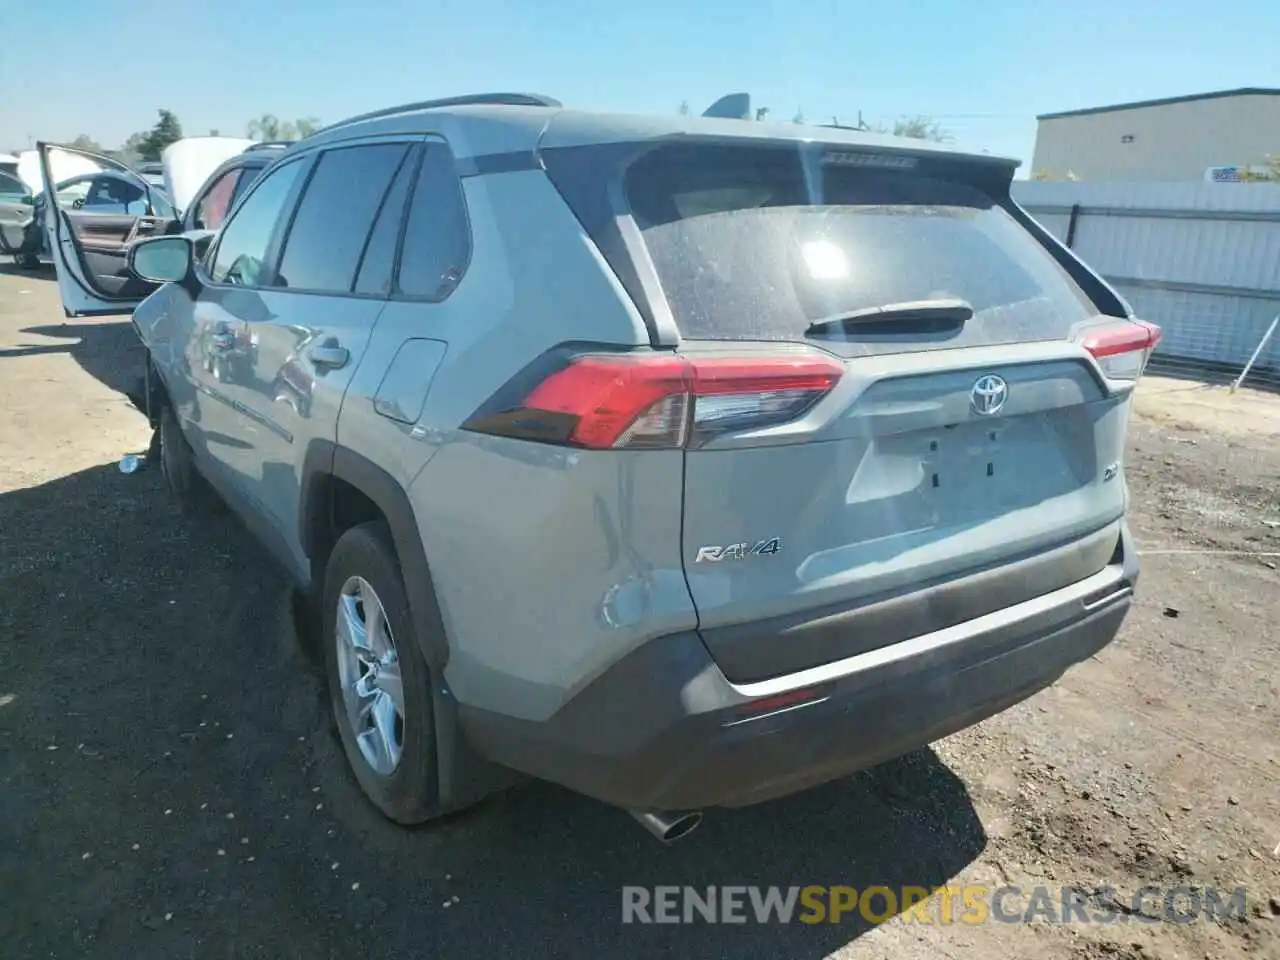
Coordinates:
x,y
664,729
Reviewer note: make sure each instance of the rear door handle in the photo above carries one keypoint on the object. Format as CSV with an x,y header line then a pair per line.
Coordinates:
x,y
329,356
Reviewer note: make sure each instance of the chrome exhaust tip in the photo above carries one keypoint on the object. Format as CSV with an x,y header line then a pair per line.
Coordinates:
x,y
669,826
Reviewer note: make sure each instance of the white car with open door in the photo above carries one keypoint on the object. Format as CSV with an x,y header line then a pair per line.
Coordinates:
x,y
89,247
20,202
16,207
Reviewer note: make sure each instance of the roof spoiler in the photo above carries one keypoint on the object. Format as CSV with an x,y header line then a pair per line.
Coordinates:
x,y
732,106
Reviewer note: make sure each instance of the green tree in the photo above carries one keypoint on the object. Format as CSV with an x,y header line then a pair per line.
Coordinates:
x,y
151,144
684,108
799,117
265,127
131,150
918,128
269,127
86,142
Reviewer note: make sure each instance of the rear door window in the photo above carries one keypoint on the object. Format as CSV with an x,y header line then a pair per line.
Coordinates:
x,y
377,266
756,243
335,216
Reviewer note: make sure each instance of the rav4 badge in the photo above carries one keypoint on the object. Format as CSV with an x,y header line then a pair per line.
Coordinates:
x,y
738,551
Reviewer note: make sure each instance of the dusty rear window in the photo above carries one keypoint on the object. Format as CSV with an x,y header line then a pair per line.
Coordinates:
x,y
758,242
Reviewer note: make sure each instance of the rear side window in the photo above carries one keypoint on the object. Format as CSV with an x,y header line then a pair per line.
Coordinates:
x,y
335,216
756,243
437,239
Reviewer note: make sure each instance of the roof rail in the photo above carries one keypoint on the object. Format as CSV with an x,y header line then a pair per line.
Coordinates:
x,y
269,145
467,100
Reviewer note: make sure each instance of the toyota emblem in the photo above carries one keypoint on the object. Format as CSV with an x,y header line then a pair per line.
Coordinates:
x,y
988,395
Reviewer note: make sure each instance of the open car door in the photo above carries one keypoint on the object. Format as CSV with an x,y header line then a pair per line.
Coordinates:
x,y
90,248
65,166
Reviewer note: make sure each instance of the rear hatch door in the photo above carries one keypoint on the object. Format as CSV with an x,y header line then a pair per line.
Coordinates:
x,y
967,456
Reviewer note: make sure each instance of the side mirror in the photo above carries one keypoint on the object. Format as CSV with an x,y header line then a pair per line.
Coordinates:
x,y
161,259
28,200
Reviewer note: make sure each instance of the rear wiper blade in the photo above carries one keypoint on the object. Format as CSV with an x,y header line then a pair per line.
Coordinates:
x,y
916,316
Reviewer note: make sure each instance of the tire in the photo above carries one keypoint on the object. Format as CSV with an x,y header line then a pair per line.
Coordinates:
x,y
28,261
177,463
408,792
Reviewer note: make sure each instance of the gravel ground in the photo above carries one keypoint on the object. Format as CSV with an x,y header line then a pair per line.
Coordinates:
x,y
171,786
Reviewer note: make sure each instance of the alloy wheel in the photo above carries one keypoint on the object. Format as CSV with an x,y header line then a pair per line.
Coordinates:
x,y
369,675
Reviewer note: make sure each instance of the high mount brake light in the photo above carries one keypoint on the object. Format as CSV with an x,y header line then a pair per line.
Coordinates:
x,y
657,401
1122,349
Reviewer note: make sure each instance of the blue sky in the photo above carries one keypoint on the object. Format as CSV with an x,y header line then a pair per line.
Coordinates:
x,y
983,69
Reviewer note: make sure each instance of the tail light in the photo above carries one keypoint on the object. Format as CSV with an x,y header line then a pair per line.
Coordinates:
x,y
1122,349
653,401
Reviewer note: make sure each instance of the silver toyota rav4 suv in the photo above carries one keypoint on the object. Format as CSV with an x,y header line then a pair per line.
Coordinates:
x,y
683,461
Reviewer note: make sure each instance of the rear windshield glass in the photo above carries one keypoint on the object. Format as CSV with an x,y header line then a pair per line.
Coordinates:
x,y
757,243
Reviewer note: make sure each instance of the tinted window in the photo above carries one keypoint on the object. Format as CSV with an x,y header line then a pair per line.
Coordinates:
x,y
378,263
756,243
211,209
336,215
248,175
242,248
437,239
11,188
114,195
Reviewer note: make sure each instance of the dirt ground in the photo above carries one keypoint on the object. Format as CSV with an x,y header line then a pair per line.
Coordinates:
x,y
170,784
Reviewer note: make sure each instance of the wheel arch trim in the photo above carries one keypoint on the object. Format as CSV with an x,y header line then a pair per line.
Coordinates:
x,y
463,776
326,460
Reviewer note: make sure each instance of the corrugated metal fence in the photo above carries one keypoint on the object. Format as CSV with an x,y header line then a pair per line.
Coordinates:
x,y
1200,259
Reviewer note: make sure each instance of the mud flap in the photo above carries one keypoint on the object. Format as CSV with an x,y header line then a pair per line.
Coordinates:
x,y
148,394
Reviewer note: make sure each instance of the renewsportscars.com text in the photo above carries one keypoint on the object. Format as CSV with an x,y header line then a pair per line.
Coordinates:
x,y
968,904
